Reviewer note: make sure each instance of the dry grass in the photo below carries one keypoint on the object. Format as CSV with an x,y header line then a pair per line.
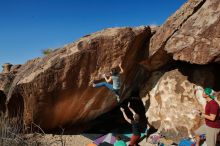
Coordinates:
x,y
11,134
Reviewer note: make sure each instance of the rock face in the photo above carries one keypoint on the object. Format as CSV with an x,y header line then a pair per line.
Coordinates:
x,y
54,91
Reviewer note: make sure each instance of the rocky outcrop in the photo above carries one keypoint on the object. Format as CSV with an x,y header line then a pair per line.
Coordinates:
x,y
54,91
6,67
7,76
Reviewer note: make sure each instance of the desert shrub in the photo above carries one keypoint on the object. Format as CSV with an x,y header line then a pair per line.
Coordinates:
x,y
10,132
47,51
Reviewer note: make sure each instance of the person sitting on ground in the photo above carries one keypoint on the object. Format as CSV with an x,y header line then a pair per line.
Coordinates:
x,y
115,78
119,141
211,128
136,132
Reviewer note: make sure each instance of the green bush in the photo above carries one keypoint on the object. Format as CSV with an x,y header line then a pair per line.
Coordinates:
x,y
47,51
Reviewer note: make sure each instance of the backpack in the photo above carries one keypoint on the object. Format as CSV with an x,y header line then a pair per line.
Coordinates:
x,y
186,142
154,138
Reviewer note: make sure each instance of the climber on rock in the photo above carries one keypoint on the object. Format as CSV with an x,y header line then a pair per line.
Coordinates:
x,y
136,130
116,81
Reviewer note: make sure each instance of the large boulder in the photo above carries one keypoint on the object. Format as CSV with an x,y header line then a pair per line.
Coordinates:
x,y
173,104
158,56
198,39
173,24
191,34
54,91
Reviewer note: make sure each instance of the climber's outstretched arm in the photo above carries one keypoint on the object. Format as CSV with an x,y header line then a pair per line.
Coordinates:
x,y
121,69
129,107
125,116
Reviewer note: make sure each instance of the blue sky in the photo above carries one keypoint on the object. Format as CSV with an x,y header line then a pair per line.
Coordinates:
x,y
29,26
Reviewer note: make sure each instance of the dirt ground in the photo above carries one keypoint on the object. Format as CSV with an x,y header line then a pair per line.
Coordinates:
x,y
64,140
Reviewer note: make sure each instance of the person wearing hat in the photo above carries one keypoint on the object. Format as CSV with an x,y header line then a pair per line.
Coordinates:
x,y
211,128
